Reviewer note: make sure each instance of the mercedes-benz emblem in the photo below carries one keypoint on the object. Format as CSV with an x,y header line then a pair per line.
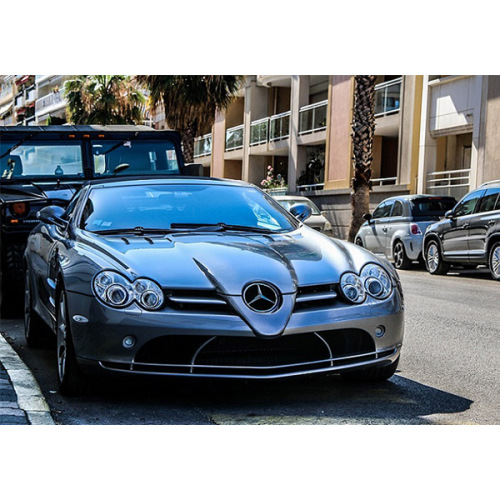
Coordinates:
x,y
261,297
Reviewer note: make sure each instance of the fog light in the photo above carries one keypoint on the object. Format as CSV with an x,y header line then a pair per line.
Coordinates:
x,y
129,341
380,331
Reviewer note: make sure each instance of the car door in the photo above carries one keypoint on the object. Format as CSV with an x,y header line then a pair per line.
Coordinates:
x,y
376,235
456,235
394,223
481,223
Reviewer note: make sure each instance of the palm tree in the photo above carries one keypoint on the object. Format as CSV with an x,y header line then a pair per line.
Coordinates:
x,y
104,100
191,102
363,128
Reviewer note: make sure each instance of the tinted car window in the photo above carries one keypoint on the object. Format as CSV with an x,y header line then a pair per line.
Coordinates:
x,y
159,206
468,204
288,204
487,203
398,209
431,206
383,210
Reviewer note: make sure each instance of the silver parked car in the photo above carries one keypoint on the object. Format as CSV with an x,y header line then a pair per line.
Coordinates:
x,y
204,278
317,220
397,226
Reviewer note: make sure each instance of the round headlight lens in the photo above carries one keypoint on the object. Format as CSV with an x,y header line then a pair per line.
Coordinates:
x,y
148,294
113,289
376,281
352,288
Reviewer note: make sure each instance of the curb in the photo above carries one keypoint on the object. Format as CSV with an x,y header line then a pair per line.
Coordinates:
x,y
29,396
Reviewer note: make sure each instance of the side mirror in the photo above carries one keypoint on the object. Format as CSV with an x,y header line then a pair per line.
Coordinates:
x,y
449,214
53,215
301,212
192,170
368,218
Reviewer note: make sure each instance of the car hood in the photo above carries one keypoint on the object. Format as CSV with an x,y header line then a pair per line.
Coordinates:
x,y
231,260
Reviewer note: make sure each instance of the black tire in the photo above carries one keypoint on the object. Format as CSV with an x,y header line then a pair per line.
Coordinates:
x,y
433,260
494,261
359,242
36,331
71,380
401,260
372,374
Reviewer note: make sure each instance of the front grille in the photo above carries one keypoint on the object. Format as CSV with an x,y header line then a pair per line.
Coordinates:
x,y
197,301
252,356
315,296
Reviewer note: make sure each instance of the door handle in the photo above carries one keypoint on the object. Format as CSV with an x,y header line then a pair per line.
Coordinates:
x,y
466,226
384,229
491,222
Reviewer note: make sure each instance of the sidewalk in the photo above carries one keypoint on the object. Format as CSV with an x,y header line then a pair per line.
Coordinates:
x,y
21,401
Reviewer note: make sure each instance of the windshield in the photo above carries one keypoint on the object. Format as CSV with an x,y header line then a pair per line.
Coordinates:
x,y
134,156
432,206
40,159
167,206
290,203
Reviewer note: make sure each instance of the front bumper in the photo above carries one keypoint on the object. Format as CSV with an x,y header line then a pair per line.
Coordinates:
x,y
200,344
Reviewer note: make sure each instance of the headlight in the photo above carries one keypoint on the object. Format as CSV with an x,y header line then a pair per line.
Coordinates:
x,y
373,280
352,288
376,281
116,291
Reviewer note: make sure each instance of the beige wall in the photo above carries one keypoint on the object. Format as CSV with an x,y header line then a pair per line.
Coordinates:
x,y
491,168
218,145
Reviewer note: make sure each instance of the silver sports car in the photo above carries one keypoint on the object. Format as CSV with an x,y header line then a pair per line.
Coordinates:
x,y
204,278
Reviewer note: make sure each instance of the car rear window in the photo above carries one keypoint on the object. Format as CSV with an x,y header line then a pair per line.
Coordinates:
x,y
431,206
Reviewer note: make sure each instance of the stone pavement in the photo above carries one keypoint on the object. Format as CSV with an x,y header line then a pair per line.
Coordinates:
x,y
10,413
21,401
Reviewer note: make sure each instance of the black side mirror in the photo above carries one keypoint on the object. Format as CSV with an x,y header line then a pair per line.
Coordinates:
x,y
449,214
192,170
53,215
301,212
368,218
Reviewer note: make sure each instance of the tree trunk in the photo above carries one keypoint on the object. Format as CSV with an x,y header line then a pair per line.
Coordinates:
x,y
187,137
363,128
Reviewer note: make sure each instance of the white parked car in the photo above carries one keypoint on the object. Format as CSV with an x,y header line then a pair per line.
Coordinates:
x,y
317,220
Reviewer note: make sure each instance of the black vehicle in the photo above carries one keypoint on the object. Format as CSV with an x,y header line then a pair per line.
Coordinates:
x,y
469,235
41,166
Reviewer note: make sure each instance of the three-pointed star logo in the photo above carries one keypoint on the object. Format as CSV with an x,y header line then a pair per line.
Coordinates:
x,y
261,297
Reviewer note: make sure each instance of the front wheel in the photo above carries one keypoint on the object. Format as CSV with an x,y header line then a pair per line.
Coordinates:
x,y
372,374
401,261
494,261
72,381
433,260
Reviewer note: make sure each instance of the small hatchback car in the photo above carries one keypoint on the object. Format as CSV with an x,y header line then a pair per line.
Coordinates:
x,y
397,227
469,234
205,278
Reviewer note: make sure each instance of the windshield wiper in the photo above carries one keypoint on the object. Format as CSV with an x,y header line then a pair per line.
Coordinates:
x,y
220,226
15,146
139,231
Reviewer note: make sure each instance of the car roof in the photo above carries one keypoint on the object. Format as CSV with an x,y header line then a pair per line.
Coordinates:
x,y
290,197
164,179
495,183
410,197
79,128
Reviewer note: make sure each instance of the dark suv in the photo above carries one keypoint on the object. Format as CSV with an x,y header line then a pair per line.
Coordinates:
x,y
468,235
42,166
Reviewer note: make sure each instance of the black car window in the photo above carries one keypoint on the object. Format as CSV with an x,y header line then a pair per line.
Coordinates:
x,y
431,206
468,204
383,210
487,203
398,209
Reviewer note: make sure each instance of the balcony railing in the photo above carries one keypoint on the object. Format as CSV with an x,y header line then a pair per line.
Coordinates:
x,y
259,131
310,187
312,118
6,93
203,146
450,182
53,99
234,138
384,181
388,97
279,126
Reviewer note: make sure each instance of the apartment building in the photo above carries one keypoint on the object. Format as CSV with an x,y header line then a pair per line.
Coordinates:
x,y
50,99
7,96
434,134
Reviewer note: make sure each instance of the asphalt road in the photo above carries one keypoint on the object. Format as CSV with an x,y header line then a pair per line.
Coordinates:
x,y
449,374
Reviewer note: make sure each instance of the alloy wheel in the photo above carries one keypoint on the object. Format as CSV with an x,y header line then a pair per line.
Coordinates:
x,y
398,254
432,257
495,261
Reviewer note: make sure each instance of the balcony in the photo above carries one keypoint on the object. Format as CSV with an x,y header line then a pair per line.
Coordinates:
x,y
203,146
6,94
234,138
388,97
454,183
50,103
259,131
312,118
279,126
19,102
